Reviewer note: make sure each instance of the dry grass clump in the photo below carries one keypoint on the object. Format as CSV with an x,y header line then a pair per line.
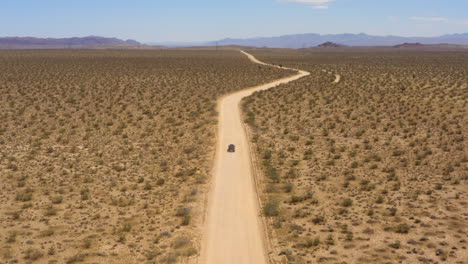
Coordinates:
x,y
372,169
100,149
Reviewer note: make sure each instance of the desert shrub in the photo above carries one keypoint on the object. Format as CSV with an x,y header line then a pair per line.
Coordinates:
x,y
47,233
297,199
87,243
288,187
346,184
267,154
51,251
347,202
79,257
271,208
160,182
318,219
24,196
379,199
169,258
271,171
395,245
84,194
312,242
16,215
33,254
189,252
183,211
200,179
180,242
291,174
57,199
11,237
152,254
402,228
126,227
186,220
50,211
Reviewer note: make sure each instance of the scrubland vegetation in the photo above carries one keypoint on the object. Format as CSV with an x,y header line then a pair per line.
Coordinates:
x,y
372,169
105,155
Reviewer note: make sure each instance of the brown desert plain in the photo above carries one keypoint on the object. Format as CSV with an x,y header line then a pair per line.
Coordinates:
x,y
365,159
105,156
118,156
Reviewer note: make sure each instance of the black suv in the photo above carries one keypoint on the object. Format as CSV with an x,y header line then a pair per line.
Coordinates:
x,y
231,148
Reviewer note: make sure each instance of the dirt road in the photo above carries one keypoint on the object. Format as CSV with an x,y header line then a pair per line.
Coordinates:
x,y
233,232
337,78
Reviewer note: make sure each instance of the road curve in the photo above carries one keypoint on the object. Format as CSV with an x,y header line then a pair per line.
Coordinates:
x,y
337,78
233,233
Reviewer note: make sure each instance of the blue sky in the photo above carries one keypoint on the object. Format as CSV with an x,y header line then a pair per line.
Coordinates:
x,y
202,20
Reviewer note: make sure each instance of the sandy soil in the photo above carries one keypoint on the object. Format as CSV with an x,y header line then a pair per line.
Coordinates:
x,y
233,230
370,170
104,154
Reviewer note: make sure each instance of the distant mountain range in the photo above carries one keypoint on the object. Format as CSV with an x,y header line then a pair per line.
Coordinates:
x,y
287,41
312,40
84,42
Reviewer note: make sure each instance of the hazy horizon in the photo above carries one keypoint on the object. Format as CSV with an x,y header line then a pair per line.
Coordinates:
x,y
208,20
211,40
